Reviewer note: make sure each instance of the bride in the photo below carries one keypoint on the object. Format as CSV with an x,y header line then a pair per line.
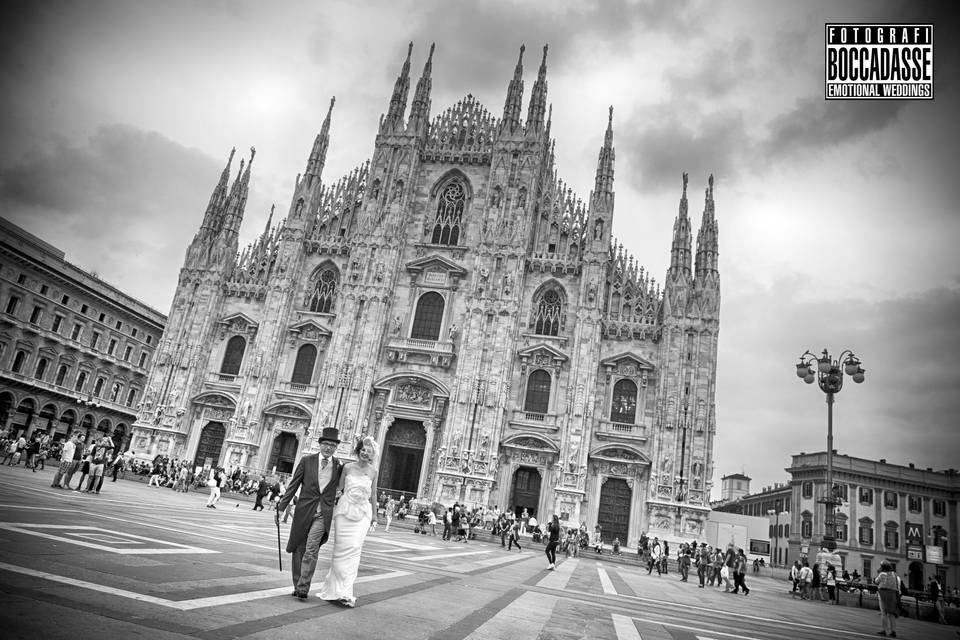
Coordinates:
x,y
352,518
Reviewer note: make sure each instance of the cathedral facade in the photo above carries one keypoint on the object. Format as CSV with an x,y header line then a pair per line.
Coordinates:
x,y
453,298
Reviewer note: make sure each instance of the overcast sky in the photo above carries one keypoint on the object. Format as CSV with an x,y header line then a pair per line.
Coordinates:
x,y
838,220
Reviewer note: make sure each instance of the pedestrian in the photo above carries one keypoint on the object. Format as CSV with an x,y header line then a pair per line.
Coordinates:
x,y
66,461
806,580
102,453
703,564
684,563
388,512
289,509
262,489
936,597
795,578
214,482
656,550
514,536
740,573
553,541
832,595
888,592
432,521
317,478
447,523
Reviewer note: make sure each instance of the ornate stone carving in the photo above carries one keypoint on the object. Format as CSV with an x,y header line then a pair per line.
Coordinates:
x,y
412,393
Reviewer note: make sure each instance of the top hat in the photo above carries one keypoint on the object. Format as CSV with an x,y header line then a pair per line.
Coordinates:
x,y
330,434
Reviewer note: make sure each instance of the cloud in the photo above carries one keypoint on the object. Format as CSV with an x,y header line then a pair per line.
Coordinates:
x,y
817,124
658,154
133,198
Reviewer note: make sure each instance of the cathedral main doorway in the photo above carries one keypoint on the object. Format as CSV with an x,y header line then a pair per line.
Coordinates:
x,y
526,491
284,452
211,442
614,510
402,457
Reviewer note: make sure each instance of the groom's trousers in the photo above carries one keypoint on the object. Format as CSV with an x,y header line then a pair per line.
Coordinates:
x,y
305,555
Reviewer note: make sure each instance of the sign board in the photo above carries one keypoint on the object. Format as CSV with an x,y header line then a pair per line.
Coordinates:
x,y
760,547
913,533
804,549
914,552
934,554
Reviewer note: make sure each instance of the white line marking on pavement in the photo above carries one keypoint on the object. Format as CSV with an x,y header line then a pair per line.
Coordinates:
x,y
522,618
559,577
182,605
492,562
441,556
27,529
140,523
605,582
625,628
403,545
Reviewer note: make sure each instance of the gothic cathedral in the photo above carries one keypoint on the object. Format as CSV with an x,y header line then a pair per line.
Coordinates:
x,y
454,298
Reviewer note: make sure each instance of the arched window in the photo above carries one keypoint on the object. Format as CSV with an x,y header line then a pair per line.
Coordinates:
x,y
429,317
98,387
303,367
61,375
233,356
131,396
538,392
41,369
18,361
548,318
81,380
321,300
450,204
623,406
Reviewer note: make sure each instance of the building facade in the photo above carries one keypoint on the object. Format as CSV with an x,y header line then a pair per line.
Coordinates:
x,y
903,515
772,503
453,298
74,351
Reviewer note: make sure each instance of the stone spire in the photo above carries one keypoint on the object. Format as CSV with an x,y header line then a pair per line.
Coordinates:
x,y
318,154
707,241
513,103
237,202
420,108
604,181
538,98
680,249
393,122
218,198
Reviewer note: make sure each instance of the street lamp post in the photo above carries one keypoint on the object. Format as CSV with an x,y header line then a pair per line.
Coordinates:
x,y
829,376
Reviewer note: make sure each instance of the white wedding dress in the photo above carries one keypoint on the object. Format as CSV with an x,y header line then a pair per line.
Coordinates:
x,y
351,521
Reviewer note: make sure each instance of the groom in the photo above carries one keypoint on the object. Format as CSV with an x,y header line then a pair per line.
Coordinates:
x,y
317,476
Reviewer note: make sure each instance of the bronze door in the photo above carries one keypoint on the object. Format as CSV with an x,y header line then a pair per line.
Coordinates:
x,y
402,457
284,452
614,511
526,491
211,441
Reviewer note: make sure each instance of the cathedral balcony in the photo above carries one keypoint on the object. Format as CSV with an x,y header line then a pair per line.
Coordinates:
x,y
327,244
436,353
552,263
527,420
297,390
222,381
607,430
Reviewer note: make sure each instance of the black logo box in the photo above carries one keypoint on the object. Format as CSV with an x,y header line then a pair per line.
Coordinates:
x,y
893,34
